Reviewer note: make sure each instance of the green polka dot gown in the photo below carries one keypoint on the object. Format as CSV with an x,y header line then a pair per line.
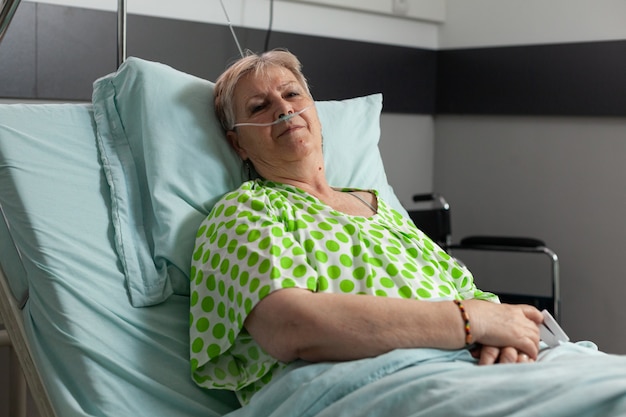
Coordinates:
x,y
266,236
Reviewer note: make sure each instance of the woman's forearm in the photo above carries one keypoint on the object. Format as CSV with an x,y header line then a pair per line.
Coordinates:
x,y
296,323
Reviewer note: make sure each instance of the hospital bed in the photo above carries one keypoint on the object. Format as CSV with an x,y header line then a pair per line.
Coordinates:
x,y
100,204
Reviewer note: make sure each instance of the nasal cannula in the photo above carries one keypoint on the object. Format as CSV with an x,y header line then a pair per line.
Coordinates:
x,y
281,118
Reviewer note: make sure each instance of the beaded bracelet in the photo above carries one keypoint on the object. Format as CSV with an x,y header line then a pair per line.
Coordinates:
x,y
469,340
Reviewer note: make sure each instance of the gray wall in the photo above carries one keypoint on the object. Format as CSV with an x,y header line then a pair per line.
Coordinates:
x,y
561,179
548,175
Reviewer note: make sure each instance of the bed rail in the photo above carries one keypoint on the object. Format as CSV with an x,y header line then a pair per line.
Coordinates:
x,y
10,313
121,32
6,15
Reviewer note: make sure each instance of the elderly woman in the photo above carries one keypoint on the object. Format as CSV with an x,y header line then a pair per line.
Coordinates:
x,y
289,267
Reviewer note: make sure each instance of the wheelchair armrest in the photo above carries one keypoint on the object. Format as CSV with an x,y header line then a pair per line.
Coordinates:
x,y
423,197
431,197
519,244
501,241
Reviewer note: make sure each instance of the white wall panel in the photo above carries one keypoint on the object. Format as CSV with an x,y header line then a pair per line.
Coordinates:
x,y
478,23
432,10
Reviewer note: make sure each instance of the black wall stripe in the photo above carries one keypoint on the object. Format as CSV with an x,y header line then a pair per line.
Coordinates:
x,y
560,79
335,68
339,69
56,52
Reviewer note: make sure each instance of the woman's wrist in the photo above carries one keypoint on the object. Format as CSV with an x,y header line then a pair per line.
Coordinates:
x,y
467,326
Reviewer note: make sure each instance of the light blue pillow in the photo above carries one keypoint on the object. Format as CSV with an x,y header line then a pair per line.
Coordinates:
x,y
167,162
351,130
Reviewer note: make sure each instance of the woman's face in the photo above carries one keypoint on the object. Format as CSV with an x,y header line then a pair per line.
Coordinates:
x,y
263,99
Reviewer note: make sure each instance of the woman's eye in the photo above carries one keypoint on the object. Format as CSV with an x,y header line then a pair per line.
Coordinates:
x,y
257,108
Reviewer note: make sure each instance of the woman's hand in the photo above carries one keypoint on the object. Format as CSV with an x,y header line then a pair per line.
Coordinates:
x,y
489,355
508,333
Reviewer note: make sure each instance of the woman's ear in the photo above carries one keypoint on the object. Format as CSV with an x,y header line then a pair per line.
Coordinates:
x,y
233,139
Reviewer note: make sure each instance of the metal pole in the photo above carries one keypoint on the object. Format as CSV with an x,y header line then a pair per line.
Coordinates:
x,y
6,14
121,32
18,390
4,337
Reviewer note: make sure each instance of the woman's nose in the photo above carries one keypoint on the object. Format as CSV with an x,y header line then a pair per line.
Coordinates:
x,y
283,115
283,109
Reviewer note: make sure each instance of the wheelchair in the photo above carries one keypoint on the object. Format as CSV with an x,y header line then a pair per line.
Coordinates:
x,y
435,220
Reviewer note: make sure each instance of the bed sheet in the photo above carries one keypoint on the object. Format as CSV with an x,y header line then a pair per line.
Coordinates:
x,y
99,356
571,380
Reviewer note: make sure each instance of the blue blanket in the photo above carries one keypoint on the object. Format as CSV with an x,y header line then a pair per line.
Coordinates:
x,y
571,380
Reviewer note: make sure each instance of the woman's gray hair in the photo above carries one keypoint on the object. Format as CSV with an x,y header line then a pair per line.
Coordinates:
x,y
251,63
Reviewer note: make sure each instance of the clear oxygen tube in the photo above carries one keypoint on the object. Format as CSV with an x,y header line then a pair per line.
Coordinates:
x,y
282,118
